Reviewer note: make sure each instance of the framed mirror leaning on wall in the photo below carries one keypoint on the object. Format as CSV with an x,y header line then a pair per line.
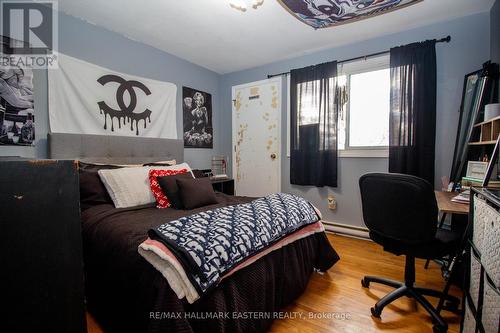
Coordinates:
x,y
478,90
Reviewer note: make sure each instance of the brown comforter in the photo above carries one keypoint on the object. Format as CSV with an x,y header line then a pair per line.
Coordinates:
x,y
126,294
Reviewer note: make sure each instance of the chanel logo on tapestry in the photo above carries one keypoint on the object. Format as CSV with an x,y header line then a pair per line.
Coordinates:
x,y
126,112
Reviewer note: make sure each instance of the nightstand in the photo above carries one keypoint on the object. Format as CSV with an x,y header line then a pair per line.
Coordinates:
x,y
225,186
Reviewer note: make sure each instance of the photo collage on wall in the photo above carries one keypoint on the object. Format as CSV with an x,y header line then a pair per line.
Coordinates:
x,y
197,115
17,115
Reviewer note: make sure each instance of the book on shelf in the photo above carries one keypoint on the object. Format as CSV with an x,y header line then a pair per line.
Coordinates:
x,y
476,182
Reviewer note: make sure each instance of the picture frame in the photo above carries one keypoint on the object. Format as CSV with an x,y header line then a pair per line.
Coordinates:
x,y
17,107
197,118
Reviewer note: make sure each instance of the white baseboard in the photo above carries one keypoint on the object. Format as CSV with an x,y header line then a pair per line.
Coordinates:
x,y
345,229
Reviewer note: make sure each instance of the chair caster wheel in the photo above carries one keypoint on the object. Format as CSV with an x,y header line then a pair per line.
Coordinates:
x,y
364,283
439,329
375,312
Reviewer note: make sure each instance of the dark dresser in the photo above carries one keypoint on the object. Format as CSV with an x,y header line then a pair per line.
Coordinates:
x,y
482,297
40,242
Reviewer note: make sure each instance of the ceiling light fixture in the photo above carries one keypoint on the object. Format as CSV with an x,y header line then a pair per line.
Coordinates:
x,y
242,5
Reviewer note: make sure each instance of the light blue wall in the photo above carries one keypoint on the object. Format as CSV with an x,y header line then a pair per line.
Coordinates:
x,y
468,49
102,47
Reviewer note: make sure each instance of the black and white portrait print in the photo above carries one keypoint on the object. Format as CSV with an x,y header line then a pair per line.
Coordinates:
x,y
17,125
197,114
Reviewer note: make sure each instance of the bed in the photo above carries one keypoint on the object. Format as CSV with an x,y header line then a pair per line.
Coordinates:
x,y
127,294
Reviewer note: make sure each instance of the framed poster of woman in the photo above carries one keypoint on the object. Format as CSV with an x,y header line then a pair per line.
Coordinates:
x,y
197,115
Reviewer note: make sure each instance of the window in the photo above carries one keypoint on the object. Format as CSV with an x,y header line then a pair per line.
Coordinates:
x,y
364,122
369,109
363,125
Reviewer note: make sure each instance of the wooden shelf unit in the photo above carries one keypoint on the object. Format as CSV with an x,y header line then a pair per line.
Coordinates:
x,y
477,143
488,132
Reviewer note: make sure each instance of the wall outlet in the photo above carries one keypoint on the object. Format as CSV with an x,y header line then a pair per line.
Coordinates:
x,y
332,203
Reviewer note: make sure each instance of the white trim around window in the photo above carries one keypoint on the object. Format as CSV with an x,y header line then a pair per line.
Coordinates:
x,y
364,153
360,153
359,66
364,65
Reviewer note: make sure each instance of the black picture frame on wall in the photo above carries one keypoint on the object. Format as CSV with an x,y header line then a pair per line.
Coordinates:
x,y
17,113
197,118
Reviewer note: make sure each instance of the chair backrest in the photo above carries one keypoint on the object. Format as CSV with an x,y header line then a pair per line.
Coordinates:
x,y
398,208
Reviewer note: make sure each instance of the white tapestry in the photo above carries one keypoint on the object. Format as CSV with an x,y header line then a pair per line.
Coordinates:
x,y
88,99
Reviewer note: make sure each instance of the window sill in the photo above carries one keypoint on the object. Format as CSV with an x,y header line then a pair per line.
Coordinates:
x,y
361,153
364,153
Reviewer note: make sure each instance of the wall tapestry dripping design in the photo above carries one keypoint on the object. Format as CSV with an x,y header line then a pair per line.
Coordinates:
x,y
17,113
126,112
88,99
327,13
197,114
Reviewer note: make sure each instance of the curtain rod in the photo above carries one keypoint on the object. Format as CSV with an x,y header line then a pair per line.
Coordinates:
x,y
446,39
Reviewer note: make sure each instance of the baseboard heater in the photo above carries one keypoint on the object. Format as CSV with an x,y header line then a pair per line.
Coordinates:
x,y
345,229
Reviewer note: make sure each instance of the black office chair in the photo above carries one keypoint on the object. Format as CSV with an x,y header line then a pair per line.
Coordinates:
x,y
401,212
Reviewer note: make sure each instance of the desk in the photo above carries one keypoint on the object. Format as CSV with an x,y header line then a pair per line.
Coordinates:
x,y
446,206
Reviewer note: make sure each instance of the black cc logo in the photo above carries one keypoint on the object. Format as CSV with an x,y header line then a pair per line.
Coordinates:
x,y
126,112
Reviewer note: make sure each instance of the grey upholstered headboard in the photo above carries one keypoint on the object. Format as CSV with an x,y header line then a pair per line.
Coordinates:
x,y
114,149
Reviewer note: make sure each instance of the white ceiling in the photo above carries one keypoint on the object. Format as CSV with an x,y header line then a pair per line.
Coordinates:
x,y
212,34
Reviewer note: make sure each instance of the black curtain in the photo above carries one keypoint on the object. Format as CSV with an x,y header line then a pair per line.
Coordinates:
x,y
313,119
412,127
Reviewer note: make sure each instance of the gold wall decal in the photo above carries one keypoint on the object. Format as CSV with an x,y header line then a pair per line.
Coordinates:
x,y
241,136
237,104
274,101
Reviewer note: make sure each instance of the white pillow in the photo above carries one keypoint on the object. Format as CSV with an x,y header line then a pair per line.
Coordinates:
x,y
129,187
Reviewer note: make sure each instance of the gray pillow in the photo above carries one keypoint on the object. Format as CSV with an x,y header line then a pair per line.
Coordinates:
x,y
196,192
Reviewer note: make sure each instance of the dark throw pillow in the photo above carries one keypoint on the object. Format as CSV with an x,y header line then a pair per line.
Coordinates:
x,y
196,192
92,190
169,186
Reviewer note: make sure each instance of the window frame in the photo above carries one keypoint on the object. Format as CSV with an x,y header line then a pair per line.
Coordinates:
x,y
350,68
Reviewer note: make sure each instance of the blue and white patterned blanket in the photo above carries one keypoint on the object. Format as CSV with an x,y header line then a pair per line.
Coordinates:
x,y
210,243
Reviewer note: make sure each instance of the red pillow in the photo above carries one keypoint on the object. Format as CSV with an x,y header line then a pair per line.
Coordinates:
x,y
161,198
